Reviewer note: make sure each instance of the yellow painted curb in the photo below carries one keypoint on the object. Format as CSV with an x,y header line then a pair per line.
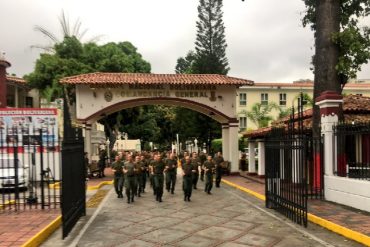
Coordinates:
x,y
11,202
55,185
42,235
348,233
96,187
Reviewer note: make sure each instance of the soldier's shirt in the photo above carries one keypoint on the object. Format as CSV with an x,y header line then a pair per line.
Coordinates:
x,y
218,160
187,168
129,166
118,166
172,164
158,167
210,166
196,164
139,167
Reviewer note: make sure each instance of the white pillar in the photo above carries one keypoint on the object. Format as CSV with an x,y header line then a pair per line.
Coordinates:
x,y
261,158
329,107
252,157
16,96
225,141
87,140
234,146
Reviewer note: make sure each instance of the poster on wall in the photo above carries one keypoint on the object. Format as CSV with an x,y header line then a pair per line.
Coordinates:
x,y
27,126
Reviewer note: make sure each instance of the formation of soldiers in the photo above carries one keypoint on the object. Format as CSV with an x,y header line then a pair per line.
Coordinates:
x,y
132,170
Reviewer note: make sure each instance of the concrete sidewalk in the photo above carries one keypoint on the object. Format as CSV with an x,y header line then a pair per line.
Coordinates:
x,y
349,222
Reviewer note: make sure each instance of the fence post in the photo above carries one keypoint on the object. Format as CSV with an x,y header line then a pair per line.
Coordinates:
x,y
329,103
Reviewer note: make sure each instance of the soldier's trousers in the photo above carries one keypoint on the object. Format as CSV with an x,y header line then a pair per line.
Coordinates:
x,y
202,175
187,185
218,179
139,183
170,181
195,178
118,184
158,184
209,182
144,175
130,187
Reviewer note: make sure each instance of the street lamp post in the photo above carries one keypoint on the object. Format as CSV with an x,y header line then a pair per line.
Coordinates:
x,y
108,150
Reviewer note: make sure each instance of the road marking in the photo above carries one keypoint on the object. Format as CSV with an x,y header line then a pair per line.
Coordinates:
x,y
307,234
90,221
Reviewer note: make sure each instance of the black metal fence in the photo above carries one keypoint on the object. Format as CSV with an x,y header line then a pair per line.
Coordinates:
x,y
294,168
29,168
353,150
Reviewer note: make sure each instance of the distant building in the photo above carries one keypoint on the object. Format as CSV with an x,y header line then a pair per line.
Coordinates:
x,y
127,145
14,91
283,94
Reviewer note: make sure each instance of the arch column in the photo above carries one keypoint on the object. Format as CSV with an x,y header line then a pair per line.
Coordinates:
x,y
234,146
87,140
225,141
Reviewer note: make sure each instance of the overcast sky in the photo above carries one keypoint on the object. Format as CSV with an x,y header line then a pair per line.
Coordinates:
x,y
266,41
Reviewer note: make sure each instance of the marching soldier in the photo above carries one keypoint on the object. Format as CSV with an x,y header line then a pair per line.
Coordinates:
x,y
158,167
218,161
196,165
187,172
145,171
117,168
202,158
129,171
171,165
209,167
139,171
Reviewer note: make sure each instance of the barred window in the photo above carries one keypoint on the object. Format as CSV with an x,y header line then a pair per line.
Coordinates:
x,y
282,98
242,99
264,98
243,123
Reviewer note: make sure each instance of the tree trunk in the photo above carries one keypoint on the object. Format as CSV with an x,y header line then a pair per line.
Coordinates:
x,y
327,53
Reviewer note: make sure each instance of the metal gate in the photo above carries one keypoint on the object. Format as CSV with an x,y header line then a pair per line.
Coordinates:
x,y
73,175
287,169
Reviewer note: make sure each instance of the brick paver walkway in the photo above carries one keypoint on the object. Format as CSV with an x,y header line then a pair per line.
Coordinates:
x,y
16,228
353,219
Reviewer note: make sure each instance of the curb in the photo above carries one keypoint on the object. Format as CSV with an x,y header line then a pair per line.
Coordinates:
x,y
341,230
43,234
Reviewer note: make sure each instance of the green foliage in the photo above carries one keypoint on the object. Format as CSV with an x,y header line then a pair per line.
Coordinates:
x,y
216,145
353,41
73,58
259,114
210,44
184,64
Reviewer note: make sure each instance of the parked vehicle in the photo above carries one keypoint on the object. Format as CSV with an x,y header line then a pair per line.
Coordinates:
x,y
7,173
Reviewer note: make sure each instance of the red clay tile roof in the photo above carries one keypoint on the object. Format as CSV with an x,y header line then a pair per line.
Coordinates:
x,y
306,84
355,108
146,78
16,80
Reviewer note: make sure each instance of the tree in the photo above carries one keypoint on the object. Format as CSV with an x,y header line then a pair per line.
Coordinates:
x,y
184,65
67,31
259,114
341,45
210,44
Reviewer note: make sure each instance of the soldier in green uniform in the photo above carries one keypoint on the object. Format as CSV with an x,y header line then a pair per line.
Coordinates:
x,y
145,172
129,171
117,168
202,158
218,161
187,172
171,168
151,177
139,171
209,167
158,177
196,164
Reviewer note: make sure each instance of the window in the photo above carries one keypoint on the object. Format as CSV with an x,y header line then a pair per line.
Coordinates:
x,y
242,99
264,98
282,98
243,123
29,102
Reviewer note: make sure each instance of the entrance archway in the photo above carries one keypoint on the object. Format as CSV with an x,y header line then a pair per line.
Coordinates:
x,y
100,94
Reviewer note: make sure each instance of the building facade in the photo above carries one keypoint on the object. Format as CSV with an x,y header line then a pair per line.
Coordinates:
x,y
284,95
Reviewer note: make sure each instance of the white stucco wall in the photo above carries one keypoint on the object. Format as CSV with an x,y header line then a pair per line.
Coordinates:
x,y
346,191
89,101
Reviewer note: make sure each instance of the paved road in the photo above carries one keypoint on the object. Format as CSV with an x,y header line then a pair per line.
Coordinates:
x,y
225,218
